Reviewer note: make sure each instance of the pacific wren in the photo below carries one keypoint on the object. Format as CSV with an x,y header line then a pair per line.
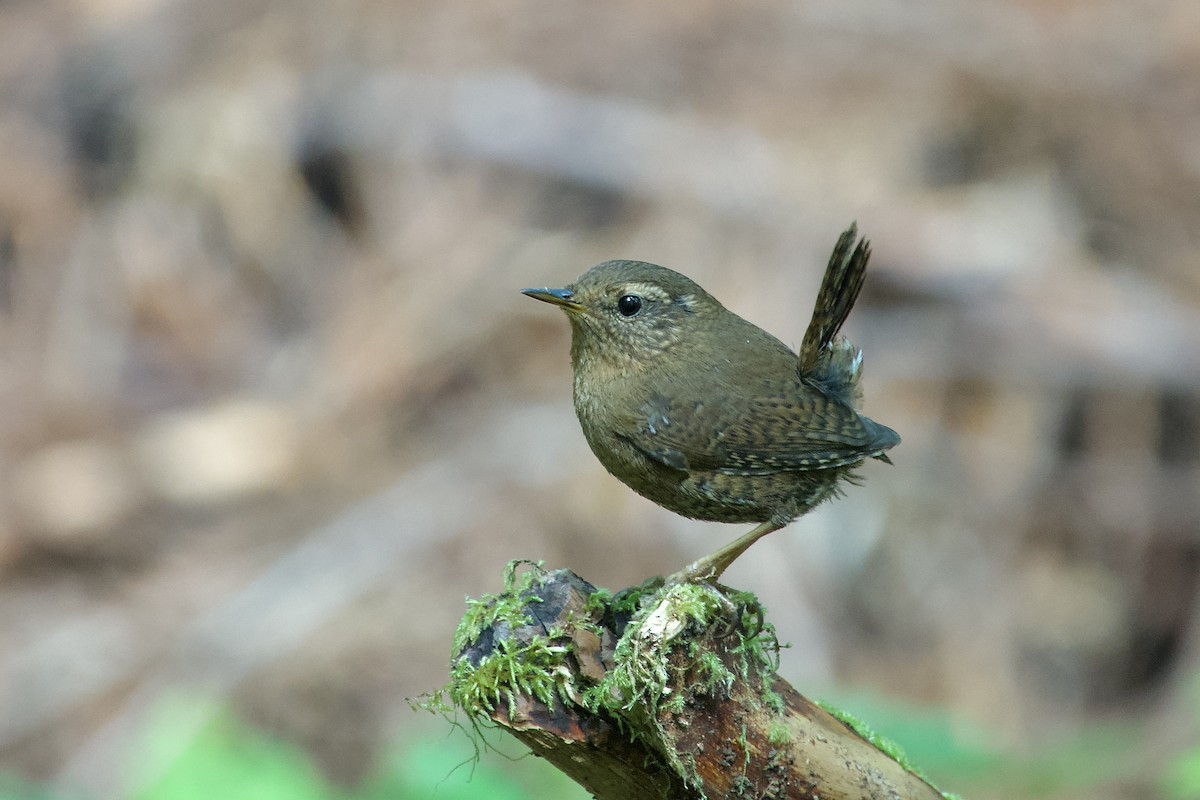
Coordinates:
x,y
707,414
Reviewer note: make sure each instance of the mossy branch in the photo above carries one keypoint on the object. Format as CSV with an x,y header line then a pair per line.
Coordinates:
x,y
659,693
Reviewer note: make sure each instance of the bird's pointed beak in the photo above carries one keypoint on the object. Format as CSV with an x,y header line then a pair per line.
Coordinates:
x,y
558,297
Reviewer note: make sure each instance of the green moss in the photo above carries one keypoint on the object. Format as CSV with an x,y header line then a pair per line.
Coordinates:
x,y
627,602
759,645
642,685
779,734
598,603
772,700
535,668
883,744
744,743
692,602
636,677
639,675
887,746
676,704
718,675
507,607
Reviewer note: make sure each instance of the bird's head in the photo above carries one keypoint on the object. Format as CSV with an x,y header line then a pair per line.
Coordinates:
x,y
626,314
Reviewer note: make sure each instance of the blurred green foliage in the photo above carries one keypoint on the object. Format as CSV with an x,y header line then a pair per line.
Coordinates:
x,y
193,751
12,788
197,750
964,759
1181,780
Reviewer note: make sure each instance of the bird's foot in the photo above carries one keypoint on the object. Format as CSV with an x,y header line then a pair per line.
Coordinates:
x,y
702,571
734,604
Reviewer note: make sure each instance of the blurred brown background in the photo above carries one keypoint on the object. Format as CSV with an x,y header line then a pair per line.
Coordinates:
x,y
272,404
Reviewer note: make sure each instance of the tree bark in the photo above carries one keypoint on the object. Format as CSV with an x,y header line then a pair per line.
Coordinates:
x,y
659,693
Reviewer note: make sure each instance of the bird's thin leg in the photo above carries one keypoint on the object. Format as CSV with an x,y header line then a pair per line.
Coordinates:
x,y
709,568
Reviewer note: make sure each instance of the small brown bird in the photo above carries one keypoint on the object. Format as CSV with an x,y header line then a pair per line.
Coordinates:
x,y
709,415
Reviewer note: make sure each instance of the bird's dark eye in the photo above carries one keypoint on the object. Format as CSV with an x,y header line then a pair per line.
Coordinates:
x,y
629,305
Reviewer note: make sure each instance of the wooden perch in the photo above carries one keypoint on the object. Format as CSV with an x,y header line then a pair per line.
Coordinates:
x,y
659,693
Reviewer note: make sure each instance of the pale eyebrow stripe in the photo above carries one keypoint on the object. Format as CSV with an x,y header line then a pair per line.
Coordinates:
x,y
647,290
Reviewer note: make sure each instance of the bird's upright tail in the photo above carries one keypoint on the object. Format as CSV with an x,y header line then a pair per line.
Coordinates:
x,y
824,359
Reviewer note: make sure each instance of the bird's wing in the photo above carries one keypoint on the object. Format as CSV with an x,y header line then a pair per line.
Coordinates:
x,y
757,434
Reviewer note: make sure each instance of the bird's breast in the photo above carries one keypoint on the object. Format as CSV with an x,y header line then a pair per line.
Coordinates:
x,y
605,413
